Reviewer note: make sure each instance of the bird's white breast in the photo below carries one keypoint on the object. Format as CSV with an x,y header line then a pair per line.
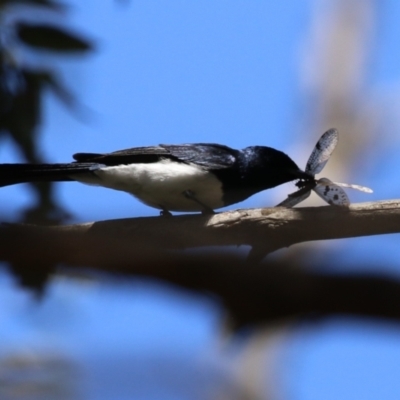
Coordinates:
x,y
161,185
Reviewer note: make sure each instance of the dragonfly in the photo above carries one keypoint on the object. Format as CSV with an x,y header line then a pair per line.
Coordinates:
x,y
329,191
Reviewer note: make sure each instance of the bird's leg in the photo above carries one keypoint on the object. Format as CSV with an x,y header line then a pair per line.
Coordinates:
x,y
165,213
205,209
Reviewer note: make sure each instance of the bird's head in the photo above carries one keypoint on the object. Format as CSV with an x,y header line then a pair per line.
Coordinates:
x,y
268,167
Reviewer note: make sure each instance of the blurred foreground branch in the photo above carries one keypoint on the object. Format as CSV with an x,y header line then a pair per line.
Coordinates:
x,y
252,293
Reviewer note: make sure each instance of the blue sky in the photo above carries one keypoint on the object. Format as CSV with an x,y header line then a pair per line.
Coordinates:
x,y
228,72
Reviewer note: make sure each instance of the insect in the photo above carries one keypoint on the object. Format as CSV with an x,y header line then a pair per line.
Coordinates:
x,y
329,191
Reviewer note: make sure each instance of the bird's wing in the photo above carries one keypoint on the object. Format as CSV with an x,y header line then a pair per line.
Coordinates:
x,y
211,156
208,155
135,155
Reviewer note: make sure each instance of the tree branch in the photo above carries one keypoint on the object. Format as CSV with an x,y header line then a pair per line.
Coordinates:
x,y
267,228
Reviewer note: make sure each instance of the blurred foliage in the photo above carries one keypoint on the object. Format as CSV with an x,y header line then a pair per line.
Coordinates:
x,y
22,89
55,5
50,37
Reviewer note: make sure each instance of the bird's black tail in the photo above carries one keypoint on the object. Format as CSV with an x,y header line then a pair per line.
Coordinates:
x,y
11,174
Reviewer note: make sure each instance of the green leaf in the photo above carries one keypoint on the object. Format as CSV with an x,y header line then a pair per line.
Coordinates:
x,y
50,37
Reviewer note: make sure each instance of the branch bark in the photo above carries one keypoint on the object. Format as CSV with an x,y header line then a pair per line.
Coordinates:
x,y
269,229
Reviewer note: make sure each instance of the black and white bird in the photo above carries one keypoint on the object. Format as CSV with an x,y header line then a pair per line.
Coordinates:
x,y
329,191
188,177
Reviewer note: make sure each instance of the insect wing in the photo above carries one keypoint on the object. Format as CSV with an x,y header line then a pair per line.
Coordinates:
x,y
295,198
331,193
356,187
322,151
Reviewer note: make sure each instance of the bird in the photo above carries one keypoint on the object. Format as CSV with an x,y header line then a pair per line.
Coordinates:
x,y
197,177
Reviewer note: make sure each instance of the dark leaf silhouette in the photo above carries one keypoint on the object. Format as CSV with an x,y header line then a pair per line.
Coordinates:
x,y
43,3
50,37
25,101
59,89
24,98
